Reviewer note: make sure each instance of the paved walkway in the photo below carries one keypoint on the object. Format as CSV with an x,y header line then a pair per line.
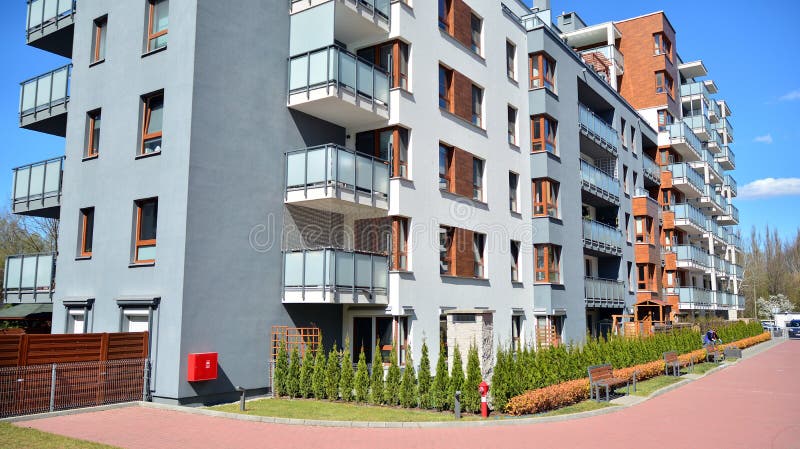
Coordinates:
x,y
752,404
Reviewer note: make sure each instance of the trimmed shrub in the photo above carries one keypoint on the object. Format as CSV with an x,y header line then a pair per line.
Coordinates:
x,y
470,395
408,386
281,370
293,375
441,383
424,378
332,371
456,376
376,380
306,374
346,377
362,378
391,390
318,377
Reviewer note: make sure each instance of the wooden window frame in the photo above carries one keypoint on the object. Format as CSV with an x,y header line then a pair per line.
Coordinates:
x,y
549,272
545,197
398,165
446,20
85,222
475,46
477,181
479,255
446,101
446,256
151,36
448,167
398,72
547,128
93,118
99,26
545,67
400,243
146,114
138,241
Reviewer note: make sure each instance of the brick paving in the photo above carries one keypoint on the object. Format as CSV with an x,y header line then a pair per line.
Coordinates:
x,y
752,404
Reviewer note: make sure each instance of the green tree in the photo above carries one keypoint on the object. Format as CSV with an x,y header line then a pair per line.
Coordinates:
x,y
471,396
281,371
391,392
376,383
293,375
306,374
408,386
501,380
332,372
441,383
318,378
424,376
346,378
456,375
362,378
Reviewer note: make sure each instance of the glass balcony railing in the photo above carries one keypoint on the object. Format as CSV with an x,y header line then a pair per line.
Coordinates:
x,y
685,211
37,185
714,196
727,155
695,88
651,169
602,237
598,182
732,211
682,172
693,295
698,123
731,183
334,67
45,91
681,132
692,254
609,52
735,270
333,167
335,270
720,264
724,299
724,124
598,129
733,238
609,291
714,141
29,277
714,228
42,13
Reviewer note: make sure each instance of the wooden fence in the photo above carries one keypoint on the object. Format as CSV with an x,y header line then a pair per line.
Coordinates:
x,y
38,349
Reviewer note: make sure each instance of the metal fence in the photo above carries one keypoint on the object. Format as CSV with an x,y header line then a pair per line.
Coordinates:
x,y
60,386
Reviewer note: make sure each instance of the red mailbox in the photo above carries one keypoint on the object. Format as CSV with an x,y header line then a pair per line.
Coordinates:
x,y
202,366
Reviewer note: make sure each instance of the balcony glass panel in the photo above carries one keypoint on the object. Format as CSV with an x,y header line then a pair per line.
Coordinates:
x,y
335,165
683,170
730,182
693,254
598,127
599,179
685,211
326,268
602,233
651,168
344,268
694,295
29,273
604,289
682,131
42,12
732,211
45,91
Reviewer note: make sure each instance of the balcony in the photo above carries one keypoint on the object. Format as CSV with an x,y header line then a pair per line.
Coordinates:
x,y
725,129
599,132
720,265
337,86
691,257
334,178
685,179
708,165
712,200
724,299
726,158
694,298
715,231
689,218
29,278
697,97
609,53
700,125
605,293
43,102
651,170
733,239
684,141
730,216
353,20
37,188
714,142
50,25
333,276
730,184
602,238
735,271
599,184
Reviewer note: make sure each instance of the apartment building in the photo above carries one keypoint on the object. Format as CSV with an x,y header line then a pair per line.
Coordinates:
x,y
386,172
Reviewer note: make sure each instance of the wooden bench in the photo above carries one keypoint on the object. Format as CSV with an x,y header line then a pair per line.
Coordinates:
x,y
602,376
712,353
671,362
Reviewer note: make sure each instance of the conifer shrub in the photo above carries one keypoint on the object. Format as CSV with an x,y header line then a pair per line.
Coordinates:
x,y
408,386
332,372
424,378
376,380
362,379
306,374
347,376
456,377
280,372
441,383
391,390
318,377
470,395
293,375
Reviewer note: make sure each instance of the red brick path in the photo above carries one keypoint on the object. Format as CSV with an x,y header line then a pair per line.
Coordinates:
x,y
753,404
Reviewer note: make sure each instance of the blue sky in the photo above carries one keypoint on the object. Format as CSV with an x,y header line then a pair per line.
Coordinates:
x,y
746,47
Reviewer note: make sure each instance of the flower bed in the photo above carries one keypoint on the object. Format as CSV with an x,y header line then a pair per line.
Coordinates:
x,y
571,392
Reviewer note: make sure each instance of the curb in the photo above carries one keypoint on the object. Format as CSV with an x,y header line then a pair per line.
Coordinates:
x,y
74,411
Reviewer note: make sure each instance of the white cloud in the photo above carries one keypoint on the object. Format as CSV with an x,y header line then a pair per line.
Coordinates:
x,y
770,187
767,138
791,96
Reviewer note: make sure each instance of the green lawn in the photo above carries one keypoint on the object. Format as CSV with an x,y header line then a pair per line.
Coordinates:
x,y
335,411
647,387
24,438
584,406
702,368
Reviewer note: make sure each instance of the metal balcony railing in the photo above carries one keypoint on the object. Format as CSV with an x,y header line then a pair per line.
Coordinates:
x,y
686,211
42,13
44,92
599,183
335,270
682,171
334,167
29,277
336,68
651,169
598,129
602,237
604,292
692,254
38,184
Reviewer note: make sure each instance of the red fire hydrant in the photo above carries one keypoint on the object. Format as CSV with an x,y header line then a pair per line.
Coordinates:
x,y
483,389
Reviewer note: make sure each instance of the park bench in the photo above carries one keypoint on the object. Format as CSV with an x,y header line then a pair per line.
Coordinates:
x,y
672,363
602,376
732,352
713,354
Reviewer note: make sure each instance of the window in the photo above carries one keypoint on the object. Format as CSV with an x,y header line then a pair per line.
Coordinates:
x,y
545,198
663,83
643,229
548,264
542,70
625,179
513,191
136,320
645,272
157,24
445,88
383,332
76,321
385,144
400,243
516,333
477,106
634,148
628,227
400,154
446,235
624,130
635,181
631,281
392,57
543,132
662,45
477,179
152,121
515,245
445,164
478,246
511,60
99,41
512,125
87,231
146,221
92,134
401,68
664,119
475,25
445,10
